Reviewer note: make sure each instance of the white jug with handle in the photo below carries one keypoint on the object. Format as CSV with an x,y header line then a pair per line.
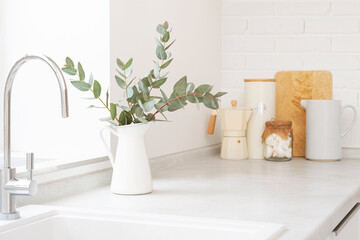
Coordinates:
x,y
323,129
131,168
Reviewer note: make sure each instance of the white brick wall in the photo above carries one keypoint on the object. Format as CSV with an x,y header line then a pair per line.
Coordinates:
x,y
262,37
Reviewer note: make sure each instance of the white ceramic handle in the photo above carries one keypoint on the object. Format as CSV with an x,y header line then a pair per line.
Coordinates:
x,y
353,121
111,156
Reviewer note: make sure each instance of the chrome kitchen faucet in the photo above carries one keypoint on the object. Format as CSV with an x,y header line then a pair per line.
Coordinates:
x,y
10,186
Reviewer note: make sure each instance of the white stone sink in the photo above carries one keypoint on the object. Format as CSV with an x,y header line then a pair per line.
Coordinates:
x,y
53,223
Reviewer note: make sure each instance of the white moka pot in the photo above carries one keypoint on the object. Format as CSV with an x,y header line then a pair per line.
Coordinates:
x,y
131,168
323,129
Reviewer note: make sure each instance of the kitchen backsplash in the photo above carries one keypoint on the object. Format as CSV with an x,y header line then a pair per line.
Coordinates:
x,y
260,38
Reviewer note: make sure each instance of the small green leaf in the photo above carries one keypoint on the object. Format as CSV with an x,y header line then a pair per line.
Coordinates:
x,y
120,82
138,111
166,37
158,107
91,79
158,42
210,102
141,105
149,105
113,110
107,98
164,96
125,118
180,86
160,29
160,53
128,93
97,89
158,83
121,74
69,62
175,105
128,64
131,82
82,86
143,87
204,88
197,103
219,94
128,72
81,72
166,64
119,63
69,70
169,45
190,87
166,25
192,98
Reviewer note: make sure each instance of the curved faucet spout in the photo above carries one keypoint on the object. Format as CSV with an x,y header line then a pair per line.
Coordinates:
x,y
7,97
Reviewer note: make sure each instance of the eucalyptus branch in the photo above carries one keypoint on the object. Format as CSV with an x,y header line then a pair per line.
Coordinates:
x,y
106,107
186,95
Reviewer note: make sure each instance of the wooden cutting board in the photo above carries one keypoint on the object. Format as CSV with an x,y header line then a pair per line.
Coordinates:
x,y
291,88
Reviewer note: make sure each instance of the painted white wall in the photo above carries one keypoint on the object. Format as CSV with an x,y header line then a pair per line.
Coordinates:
x,y
196,52
262,37
79,29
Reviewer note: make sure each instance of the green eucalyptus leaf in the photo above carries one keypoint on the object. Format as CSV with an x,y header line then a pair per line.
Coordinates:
x,y
138,111
81,72
125,118
91,79
158,108
192,98
143,87
175,105
107,98
169,45
149,105
120,82
166,25
180,87
131,82
69,70
166,37
157,70
220,94
69,62
164,96
97,89
128,64
121,74
141,105
160,53
190,87
166,64
128,93
119,63
112,110
160,29
197,103
204,88
210,102
145,81
82,86
128,71
158,83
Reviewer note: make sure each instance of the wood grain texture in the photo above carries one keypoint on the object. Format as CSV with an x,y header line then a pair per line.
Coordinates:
x,y
291,88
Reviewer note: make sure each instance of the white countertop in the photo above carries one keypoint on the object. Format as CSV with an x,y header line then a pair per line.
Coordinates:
x,y
309,198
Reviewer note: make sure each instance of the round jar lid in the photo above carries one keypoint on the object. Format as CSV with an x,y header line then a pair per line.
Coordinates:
x,y
278,123
259,80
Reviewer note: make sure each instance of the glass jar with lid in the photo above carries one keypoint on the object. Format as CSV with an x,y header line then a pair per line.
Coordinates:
x,y
278,140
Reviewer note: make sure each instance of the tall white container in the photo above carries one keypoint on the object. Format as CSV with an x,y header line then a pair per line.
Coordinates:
x,y
259,96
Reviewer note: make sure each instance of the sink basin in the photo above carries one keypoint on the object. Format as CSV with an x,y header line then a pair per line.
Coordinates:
x,y
51,223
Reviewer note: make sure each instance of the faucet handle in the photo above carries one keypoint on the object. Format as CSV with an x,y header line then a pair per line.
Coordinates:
x,y
29,165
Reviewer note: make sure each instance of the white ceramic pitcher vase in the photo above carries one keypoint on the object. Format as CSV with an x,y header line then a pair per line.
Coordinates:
x,y
323,129
131,168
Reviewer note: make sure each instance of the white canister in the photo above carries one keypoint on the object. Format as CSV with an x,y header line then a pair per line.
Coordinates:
x,y
260,97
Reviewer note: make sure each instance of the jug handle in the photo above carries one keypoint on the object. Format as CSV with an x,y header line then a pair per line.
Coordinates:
x,y
111,156
352,122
